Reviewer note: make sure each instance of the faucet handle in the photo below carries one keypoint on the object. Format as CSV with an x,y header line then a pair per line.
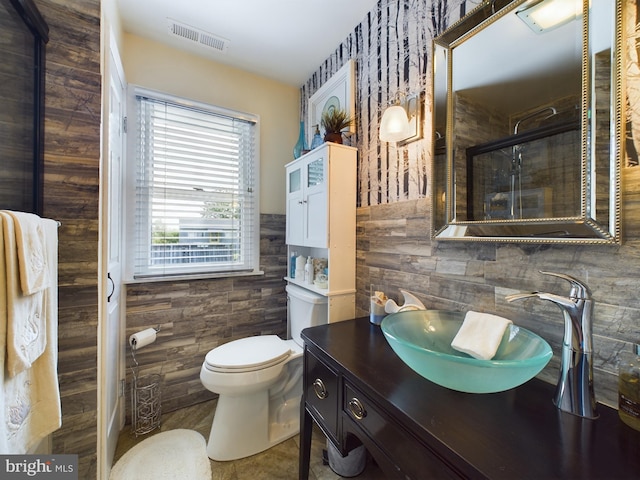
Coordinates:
x,y
578,289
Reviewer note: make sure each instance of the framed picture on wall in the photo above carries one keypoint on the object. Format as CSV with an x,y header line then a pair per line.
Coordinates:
x,y
337,93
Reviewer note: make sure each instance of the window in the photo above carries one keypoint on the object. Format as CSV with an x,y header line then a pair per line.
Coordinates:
x,y
196,200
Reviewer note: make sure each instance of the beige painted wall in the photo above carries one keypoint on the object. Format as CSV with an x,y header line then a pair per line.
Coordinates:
x,y
155,66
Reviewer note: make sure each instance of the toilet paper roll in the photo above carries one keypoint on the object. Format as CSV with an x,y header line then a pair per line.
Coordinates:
x,y
142,338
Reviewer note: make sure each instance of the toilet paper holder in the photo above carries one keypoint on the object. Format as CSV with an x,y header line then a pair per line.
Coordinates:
x,y
145,395
134,347
133,341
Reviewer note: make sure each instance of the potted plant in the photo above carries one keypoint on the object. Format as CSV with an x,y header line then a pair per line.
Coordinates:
x,y
334,120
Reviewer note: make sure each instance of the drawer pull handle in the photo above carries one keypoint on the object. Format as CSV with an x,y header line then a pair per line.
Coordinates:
x,y
357,409
319,389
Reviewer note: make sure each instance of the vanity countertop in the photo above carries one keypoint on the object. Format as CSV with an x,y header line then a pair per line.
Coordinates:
x,y
516,434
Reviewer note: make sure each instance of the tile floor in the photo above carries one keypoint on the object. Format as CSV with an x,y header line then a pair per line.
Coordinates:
x,y
277,463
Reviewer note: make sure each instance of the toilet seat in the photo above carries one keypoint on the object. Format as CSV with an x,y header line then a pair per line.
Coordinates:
x,y
247,354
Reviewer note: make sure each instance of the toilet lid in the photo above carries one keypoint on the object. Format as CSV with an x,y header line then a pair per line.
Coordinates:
x,y
246,354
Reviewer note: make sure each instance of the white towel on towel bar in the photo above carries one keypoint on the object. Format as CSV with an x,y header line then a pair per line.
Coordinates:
x,y
26,314
32,255
30,401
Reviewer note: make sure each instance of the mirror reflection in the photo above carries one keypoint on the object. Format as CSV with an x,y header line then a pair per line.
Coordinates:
x,y
524,117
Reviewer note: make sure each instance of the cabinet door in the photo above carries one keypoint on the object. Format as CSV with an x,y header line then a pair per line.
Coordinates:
x,y
295,207
315,203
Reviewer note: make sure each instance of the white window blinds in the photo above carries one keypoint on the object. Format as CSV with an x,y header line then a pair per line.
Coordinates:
x,y
195,194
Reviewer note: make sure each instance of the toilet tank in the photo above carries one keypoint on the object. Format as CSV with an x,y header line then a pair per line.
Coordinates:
x,y
304,309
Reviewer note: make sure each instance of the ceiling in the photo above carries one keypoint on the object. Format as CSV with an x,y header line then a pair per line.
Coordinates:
x,y
286,40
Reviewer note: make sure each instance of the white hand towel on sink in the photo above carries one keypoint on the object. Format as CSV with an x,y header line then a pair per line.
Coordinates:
x,y
480,335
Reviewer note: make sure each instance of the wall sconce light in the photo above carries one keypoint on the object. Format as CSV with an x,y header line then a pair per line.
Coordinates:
x,y
402,122
549,14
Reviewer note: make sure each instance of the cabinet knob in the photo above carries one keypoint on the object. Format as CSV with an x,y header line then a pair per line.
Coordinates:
x,y
357,409
319,389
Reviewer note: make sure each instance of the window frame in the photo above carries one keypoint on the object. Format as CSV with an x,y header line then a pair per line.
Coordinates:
x,y
129,183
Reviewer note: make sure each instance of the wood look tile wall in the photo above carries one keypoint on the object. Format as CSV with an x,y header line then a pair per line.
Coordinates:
x,y
72,156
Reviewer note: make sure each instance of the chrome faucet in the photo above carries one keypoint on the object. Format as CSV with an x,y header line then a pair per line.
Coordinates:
x,y
574,392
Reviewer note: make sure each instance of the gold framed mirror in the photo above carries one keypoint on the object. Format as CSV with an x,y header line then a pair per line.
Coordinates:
x,y
527,120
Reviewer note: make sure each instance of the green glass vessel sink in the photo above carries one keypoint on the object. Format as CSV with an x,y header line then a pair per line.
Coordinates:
x,y
422,340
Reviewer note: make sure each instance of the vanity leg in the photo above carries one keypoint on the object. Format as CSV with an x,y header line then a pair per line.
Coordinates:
x,y
306,429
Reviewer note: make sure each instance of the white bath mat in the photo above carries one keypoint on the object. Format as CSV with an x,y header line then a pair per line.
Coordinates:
x,y
174,454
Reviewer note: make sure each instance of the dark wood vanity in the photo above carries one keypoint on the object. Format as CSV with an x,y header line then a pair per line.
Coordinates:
x,y
358,391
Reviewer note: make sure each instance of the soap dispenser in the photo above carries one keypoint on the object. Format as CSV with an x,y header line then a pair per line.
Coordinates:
x,y
629,388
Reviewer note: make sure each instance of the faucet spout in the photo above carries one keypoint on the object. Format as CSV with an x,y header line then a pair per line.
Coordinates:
x,y
520,296
557,299
574,392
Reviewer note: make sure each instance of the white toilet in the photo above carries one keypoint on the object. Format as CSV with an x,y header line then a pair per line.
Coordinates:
x,y
259,383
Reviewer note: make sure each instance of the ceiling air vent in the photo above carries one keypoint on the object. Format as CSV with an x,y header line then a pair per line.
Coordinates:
x,y
194,35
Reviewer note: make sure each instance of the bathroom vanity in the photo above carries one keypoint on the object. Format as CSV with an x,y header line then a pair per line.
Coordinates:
x,y
358,391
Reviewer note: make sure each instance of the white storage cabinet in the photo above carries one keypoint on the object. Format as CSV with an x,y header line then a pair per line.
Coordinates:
x,y
321,221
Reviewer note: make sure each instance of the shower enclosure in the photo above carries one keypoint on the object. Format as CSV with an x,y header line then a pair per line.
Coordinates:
x,y
526,175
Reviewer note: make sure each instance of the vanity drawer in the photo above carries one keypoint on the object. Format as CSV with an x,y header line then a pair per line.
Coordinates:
x,y
404,449
321,394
